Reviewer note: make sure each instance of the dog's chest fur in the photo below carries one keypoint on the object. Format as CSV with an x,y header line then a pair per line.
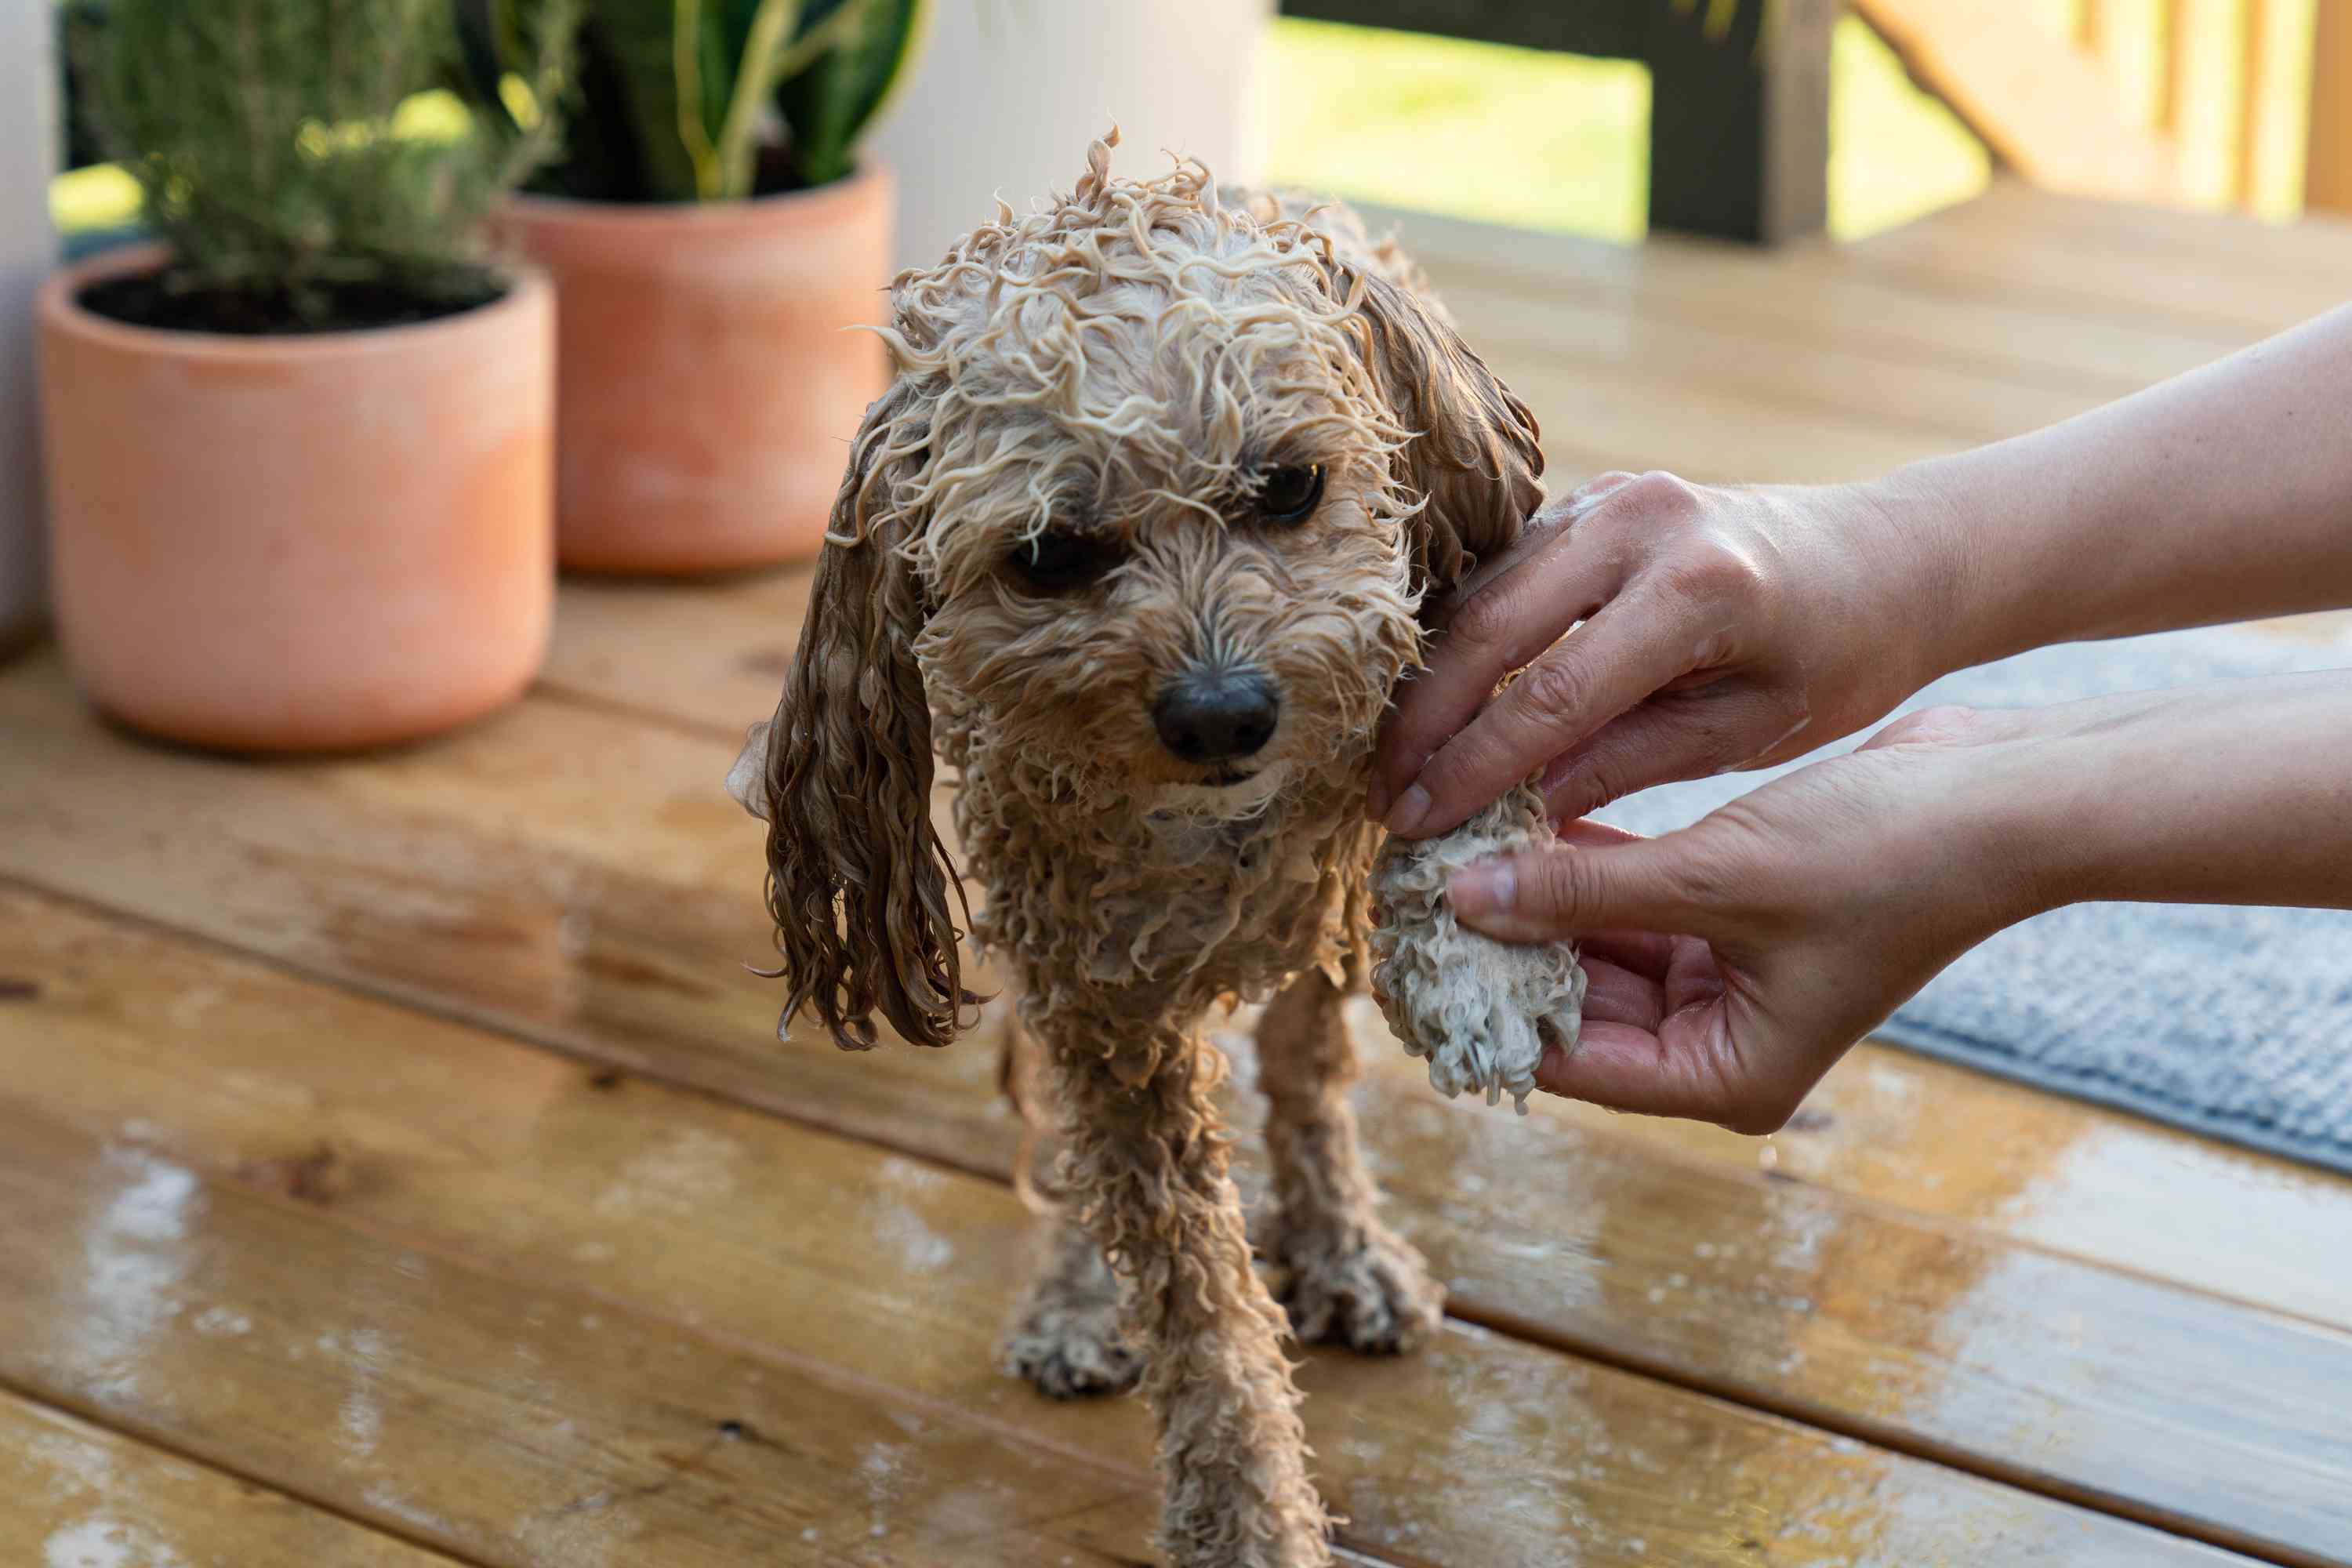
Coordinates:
x,y
1156,913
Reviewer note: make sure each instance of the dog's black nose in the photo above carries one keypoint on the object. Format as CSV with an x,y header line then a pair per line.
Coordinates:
x,y
1215,716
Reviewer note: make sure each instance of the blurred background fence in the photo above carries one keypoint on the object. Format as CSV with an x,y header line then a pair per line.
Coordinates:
x,y
2192,103
2242,104
1605,116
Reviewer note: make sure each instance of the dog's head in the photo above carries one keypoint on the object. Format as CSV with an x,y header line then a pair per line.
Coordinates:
x,y
1146,518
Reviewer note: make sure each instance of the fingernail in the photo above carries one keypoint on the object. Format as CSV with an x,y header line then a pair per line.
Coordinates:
x,y
1487,889
1409,812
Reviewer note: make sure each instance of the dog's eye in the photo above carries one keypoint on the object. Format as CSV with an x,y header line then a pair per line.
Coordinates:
x,y
1290,492
1060,558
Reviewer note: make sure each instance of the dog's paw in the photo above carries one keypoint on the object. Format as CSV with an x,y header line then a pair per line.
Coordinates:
x,y
1073,1360
1066,1351
1359,1286
1482,1012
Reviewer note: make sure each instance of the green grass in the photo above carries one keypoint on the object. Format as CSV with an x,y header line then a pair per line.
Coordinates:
x,y
1560,142
1510,136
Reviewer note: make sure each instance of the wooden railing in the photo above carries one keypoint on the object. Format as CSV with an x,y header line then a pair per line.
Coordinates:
x,y
2186,112
2327,159
1739,93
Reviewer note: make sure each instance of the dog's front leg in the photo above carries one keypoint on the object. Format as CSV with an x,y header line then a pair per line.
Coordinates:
x,y
1146,1161
1347,1278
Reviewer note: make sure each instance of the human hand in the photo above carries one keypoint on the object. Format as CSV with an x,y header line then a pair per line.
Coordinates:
x,y
1732,963
1722,629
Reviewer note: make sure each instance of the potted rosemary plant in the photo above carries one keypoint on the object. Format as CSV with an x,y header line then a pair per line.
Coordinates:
x,y
712,231
301,454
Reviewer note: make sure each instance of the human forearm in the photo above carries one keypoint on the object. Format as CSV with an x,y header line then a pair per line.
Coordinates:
x,y
1725,627
2225,494
2232,794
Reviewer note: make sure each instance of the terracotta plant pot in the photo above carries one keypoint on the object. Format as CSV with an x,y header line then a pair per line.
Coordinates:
x,y
708,385
300,543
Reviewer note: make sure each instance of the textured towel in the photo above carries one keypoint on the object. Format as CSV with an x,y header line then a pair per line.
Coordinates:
x,y
2233,1022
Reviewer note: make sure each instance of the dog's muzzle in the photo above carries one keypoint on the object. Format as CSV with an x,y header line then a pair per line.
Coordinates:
x,y
1216,715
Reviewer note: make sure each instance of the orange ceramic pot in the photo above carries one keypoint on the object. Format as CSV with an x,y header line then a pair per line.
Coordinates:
x,y
300,544
709,387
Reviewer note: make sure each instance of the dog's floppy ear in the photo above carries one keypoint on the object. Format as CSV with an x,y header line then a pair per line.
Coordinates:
x,y
1472,451
857,878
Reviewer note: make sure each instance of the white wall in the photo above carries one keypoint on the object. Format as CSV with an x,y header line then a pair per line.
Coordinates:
x,y
1009,92
27,156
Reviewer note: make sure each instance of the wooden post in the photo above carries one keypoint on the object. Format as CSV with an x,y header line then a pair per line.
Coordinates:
x,y
2199,38
2172,66
29,101
2327,162
1739,117
2259,92
1739,92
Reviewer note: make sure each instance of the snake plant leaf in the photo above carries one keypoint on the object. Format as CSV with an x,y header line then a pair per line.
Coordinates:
x,y
628,59
605,156
725,33
728,163
677,101
828,104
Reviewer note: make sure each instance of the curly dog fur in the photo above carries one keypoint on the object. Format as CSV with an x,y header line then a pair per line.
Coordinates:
x,y
1080,492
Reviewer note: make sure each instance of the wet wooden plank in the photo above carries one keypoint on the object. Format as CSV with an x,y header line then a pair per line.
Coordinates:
x,y
498,1419
455,1283
1838,299
2241,252
577,876
1597,416
1651,358
2178,275
1942,1142
1795,1298
77,1496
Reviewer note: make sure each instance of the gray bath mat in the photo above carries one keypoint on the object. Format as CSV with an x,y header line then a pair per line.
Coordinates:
x,y
2233,1022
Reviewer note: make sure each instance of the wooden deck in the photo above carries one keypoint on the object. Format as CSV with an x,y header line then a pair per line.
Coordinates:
x,y
397,1168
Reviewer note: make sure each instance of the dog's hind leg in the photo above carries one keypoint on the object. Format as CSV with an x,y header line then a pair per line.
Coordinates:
x,y
1147,1160
1346,1277
1069,1338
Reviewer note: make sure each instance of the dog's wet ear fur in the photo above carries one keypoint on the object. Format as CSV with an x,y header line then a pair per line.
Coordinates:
x,y
858,880
1474,453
